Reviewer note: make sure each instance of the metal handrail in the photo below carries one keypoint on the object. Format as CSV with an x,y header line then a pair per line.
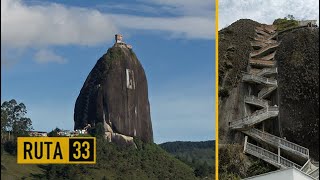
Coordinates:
x,y
261,111
266,90
281,141
265,70
259,78
272,156
256,100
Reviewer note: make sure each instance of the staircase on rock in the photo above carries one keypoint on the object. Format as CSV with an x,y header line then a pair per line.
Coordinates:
x,y
262,76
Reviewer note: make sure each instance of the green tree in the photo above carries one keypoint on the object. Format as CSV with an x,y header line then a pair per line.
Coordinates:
x,y
54,132
14,119
4,122
99,130
291,17
202,170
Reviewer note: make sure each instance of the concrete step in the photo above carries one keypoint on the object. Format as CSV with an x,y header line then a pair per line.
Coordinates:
x,y
262,33
260,63
265,92
267,57
254,118
254,100
254,71
264,51
262,43
251,78
271,29
263,38
268,72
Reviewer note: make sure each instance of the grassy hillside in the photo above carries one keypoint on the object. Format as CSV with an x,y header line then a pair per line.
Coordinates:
x,y
11,170
199,155
149,161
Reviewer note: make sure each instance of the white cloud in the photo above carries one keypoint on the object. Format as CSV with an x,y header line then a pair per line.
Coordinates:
x,y
205,8
46,56
179,27
54,24
265,11
50,24
138,8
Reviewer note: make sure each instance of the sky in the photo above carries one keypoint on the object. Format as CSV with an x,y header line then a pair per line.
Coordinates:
x,y
48,49
266,11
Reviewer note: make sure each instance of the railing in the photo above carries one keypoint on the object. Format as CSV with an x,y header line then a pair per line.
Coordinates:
x,y
265,91
243,120
287,163
262,63
256,113
277,141
290,29
294,146
267,71
247,77
263,152
270,156
256,100
315,173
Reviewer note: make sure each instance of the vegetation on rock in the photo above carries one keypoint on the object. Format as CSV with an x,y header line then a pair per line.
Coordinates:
x,y
234,165
286,23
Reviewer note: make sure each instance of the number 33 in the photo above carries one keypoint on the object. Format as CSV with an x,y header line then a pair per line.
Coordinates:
x,y
86,154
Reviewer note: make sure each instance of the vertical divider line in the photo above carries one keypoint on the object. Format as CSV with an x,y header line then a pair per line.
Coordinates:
x,y
217,90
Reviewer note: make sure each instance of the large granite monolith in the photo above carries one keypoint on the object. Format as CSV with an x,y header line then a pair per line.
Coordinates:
x,y
115,93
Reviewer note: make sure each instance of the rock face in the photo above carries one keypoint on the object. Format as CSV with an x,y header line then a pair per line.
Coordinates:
x,y
298,64
115,94
234,50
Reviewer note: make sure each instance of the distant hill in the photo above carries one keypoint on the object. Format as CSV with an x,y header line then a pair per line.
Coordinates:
x,y
199,155
178,146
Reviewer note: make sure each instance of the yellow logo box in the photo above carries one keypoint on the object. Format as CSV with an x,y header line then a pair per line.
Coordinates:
x,y
56,150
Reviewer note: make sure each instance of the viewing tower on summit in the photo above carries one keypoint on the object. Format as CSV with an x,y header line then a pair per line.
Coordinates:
x,y
120,43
